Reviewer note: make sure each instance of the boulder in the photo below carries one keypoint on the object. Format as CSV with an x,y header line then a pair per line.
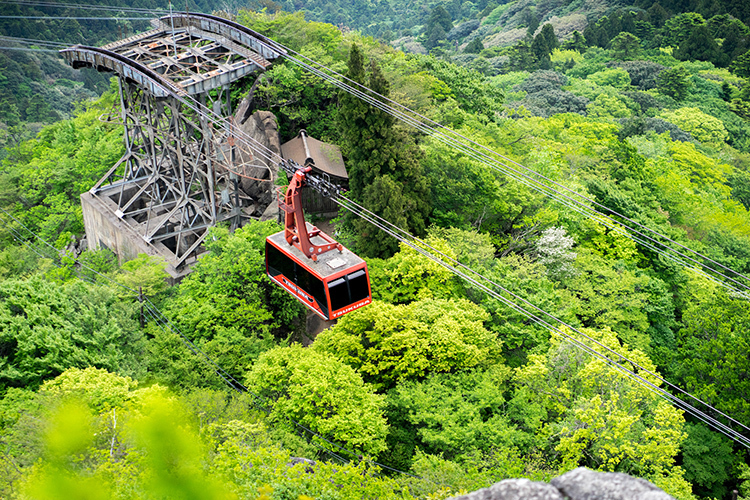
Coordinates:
x,y
272,211
257,169
586,484
515,489
578,484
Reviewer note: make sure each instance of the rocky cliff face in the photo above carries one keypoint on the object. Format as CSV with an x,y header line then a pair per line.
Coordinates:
x,y
578,484
257,169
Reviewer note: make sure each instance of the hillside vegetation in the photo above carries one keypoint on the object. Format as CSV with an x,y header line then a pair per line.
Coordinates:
x,y
100,393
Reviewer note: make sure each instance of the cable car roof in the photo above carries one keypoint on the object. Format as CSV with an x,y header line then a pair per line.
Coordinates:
x,y
328,264
325,157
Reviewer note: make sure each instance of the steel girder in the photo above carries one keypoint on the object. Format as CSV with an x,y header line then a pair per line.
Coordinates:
x,y
176,177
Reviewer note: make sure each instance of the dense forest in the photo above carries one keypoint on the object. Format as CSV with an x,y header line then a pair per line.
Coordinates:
x,y
108,376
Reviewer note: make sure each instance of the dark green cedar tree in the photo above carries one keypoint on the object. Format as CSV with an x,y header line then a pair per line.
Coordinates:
x,y
701,46
674,82
626,46
438,25
384,164
475,46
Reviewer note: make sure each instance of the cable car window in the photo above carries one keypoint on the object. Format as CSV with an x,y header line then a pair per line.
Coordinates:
x,y
339,293
358,286
278,263
312,285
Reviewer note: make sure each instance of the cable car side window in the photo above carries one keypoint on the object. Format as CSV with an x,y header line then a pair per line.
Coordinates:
x,y
311,285
278,263
358,285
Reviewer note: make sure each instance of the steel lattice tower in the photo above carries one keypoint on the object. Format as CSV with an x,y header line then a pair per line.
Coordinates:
x,y
177,177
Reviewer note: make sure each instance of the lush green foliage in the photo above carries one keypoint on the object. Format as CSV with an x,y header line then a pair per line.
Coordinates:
x,y
47,328
319,392
388,343
41,179
434,377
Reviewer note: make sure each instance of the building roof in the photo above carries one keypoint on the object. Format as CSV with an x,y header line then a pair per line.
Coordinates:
x,y
325,157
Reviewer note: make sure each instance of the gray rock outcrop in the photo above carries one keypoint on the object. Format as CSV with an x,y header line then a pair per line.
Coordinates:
x,y
263,130
585,484
578,484
515,489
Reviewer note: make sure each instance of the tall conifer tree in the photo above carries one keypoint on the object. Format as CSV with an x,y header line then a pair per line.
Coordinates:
x,y
383,162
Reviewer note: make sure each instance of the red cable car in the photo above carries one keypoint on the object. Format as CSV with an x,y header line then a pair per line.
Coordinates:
x,y
304,263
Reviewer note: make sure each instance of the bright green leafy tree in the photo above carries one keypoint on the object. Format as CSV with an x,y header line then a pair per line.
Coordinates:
x,y
711,357
410,276
597,416
454,414
321,393
228,304
388,343
703,127
46,328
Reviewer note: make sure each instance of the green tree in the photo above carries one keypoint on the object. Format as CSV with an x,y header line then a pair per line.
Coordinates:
x,y
550,38
148,443
384,163
46,328
150,449
522,57
608,105
700,46
228,304
321,393
42,179
674,82
37,110
439,17
704,127
543,45
708,460
473,91
530,18
626,46
710,360
437,35
741,65
475,46
596,416
145,272
439,23
577,42
409,276
388,343
678,28
615,77
98,388
469,407
611,296
463,192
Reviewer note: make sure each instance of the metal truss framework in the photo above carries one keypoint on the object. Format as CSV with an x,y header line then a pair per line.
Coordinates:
x,y
177,176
